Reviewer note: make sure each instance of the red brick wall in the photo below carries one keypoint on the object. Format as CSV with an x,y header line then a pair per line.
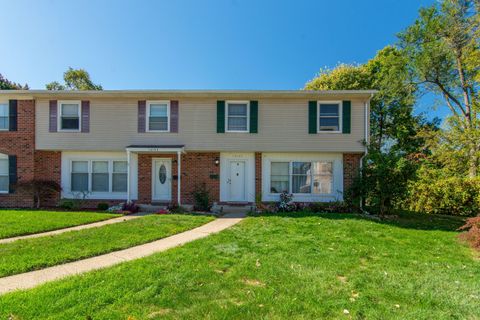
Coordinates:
x,y
22,144
258,174
351,167
196,168
48,166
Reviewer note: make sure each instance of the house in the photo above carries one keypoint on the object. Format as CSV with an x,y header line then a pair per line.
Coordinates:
x,y
158,146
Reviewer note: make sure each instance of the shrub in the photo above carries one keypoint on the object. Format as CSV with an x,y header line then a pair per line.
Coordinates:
x,y
472,236
130,207
286,203
102,206
67,204
38,189
330,207
445,195
175,208
201,198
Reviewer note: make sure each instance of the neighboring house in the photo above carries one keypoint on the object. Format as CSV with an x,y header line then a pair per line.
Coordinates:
x,y
158,146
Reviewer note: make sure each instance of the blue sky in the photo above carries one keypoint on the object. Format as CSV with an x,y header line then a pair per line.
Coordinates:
x,y
229,44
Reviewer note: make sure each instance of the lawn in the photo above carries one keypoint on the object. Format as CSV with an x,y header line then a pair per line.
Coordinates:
x,y
22,222
37,253
280,267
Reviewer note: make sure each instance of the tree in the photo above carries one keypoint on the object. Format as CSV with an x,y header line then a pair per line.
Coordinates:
x,y
75,79
6,84
38,189
442,50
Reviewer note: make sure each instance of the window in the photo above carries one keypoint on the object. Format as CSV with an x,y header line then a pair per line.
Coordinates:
x,y
329,114
69,115
237,116
99,176
79,176
301,177
4,109
4,179
119,176
158,116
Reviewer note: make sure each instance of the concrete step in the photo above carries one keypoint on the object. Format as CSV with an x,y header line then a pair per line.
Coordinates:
x,y
151,207
236,208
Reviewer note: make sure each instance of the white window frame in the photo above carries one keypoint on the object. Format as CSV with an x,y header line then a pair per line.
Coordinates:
x,y
340,115
147,118
291,175
8,115
90,174
59,115
5,157
226,115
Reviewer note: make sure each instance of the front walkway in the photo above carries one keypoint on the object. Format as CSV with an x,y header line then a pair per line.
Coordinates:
x,y
80,227
32,279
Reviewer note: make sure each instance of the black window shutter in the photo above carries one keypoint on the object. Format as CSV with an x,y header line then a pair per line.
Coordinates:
x,y
347,116
12,115
253,116
12,172
220,116
312,117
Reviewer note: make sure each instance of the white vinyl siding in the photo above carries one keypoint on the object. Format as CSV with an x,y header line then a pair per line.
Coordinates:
x,y
4,114
282,127
69,115
158,116
330,116
237,116
4,177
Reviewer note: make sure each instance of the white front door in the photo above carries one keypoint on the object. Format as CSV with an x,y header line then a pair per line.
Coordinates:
x,y
236,181
162,179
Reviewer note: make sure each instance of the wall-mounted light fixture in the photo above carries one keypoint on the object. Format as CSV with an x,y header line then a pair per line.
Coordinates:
x,y
217,161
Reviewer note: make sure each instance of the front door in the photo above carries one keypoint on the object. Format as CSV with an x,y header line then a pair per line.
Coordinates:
x,y
237,181
162,180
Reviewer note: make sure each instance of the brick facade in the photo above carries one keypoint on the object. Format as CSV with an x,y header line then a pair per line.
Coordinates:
x,y
196,168
20,143
48,166
351,167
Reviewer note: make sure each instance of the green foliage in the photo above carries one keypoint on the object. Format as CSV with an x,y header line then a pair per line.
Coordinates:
x,y
75,79
38,189
102,206
437,192
6,84
67,204
201,198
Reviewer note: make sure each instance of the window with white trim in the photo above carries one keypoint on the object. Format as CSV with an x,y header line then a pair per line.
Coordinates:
x,y
98,176
329,114
69,115
4,114
4,176
158,116
237,116
297,177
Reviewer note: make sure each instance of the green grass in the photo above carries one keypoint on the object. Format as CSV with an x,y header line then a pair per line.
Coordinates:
x,y
280,267
37,253
22,222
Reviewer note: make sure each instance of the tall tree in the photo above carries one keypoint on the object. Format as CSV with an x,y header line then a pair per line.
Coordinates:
x,y
6,84
75,79
442,50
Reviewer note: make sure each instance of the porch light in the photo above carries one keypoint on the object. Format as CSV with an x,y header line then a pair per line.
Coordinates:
x,y
217,161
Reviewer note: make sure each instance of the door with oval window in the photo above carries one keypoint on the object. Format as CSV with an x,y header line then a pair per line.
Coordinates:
x,y
162,180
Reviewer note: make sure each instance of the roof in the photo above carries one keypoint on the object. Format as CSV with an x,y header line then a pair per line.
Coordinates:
x,y
168,94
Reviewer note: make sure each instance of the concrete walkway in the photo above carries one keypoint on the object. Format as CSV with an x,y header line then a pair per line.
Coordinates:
x,y
32,279
80,227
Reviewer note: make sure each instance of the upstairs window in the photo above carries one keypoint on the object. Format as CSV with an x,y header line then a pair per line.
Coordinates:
x,y
4,177
4,116
329,115
237,116
158,118
69,115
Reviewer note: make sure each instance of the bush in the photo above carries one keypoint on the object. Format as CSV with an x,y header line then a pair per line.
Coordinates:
x,y
472,236
201,198
330,207
286,203
175,208
450,195
67,204
103,206
130,207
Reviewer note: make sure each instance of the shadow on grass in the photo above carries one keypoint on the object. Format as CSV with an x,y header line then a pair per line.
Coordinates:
x,y
407,220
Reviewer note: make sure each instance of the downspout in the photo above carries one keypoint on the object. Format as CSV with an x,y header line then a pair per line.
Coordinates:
x,y
128,175
367,138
